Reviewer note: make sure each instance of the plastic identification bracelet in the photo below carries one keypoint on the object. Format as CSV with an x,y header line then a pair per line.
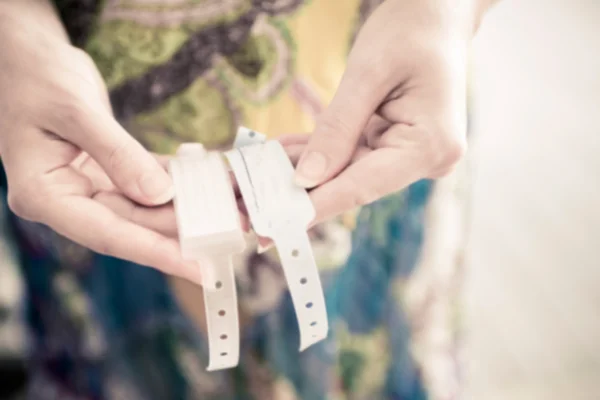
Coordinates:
x,y
282,211
210,232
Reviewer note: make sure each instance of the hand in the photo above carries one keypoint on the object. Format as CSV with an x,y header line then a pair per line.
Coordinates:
x,y
60,145
399,114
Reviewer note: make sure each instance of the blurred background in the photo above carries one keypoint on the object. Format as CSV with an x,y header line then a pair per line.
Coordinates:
x,y
534,284
534,287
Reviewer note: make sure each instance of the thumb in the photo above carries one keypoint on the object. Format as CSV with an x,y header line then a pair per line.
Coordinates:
x,y
339,128
128,164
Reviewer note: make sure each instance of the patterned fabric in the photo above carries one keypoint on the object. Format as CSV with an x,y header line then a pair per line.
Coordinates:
x,y
193,70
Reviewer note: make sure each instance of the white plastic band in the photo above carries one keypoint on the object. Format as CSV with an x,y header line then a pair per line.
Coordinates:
x,y
210,232
304,282
222,321
282,211
247,137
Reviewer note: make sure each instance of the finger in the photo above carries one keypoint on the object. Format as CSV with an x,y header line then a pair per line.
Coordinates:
x,y
435,107
294,152
163,160
59,198
94,226
373,175
90,74
374,129
87,166
159,219
360,153
130,167
339,128
437,127
103,91
293,139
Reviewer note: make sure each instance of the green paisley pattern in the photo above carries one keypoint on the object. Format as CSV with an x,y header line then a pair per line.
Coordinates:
x,y
257,71
185,118
264,64
123,49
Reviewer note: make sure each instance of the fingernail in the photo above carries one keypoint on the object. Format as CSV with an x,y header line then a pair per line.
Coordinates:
x,y
311,170
157,187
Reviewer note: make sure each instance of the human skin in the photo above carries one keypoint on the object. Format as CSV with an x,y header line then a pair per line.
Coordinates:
x,y
62,149
398,116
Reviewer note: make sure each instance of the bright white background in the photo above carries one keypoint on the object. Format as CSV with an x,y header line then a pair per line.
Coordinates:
x,y
534,292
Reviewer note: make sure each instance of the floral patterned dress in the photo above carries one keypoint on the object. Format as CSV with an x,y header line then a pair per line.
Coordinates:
x,y
193,70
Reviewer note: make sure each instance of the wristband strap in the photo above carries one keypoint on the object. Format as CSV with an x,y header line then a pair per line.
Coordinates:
x,y
280,210
304,282
210,232
222,322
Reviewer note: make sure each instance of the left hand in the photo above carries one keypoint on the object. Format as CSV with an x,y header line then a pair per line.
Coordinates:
x,y
399,114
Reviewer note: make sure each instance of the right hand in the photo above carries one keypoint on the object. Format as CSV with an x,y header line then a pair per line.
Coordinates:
x,y
56,120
